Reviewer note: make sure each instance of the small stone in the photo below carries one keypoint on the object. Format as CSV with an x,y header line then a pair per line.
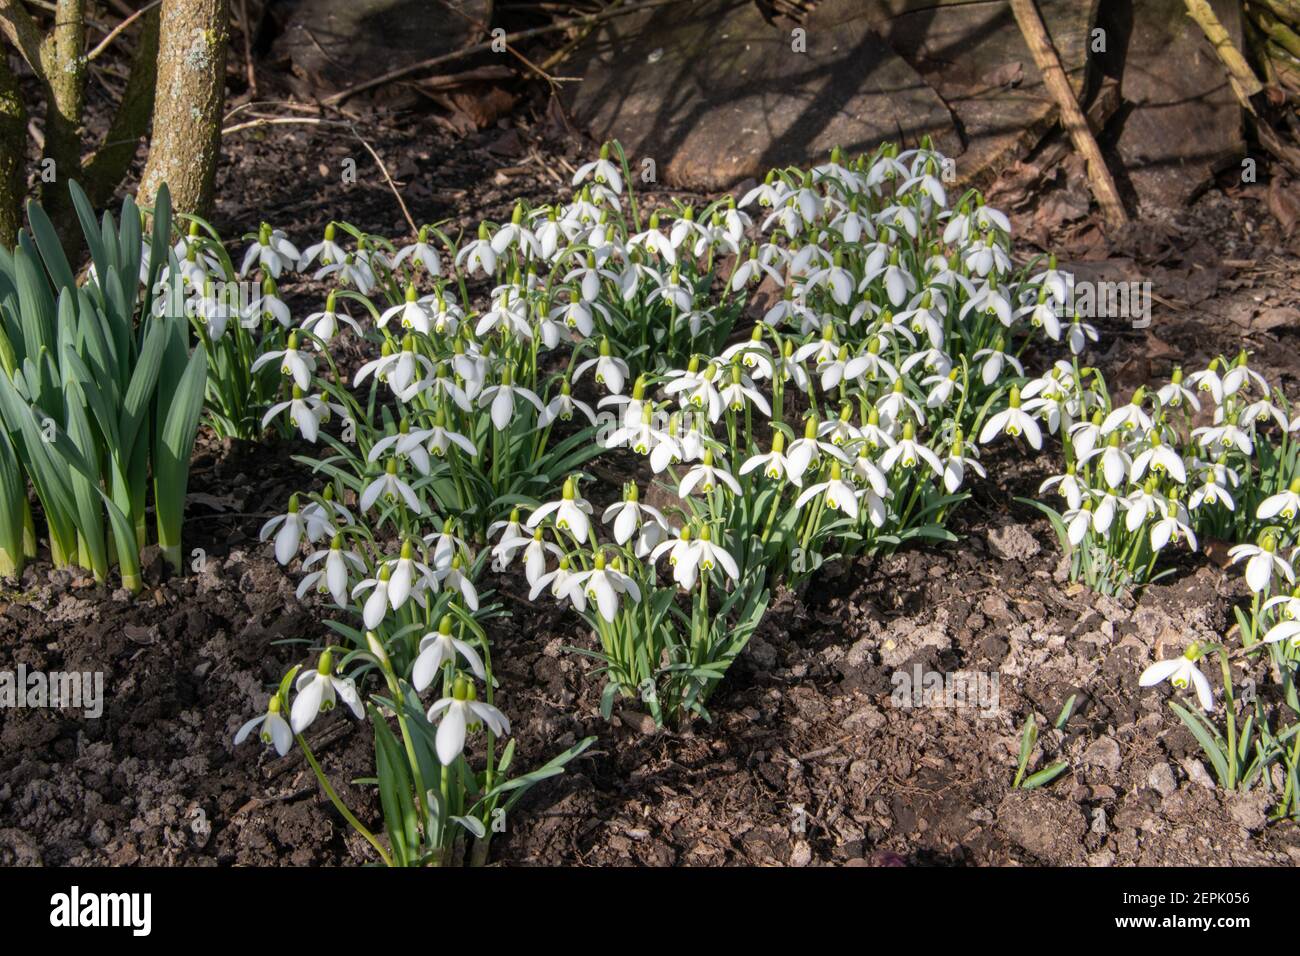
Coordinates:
x,y
1104,753
1161,779
1197,773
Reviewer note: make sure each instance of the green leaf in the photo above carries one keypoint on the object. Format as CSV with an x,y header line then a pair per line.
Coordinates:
x,y
1206,737
171,464
1045,776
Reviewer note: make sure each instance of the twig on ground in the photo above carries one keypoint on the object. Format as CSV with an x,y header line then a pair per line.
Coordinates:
x,y
1072,118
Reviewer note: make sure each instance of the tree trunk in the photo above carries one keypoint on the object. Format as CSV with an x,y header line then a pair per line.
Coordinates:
x,y
108,167
188,103
13,155
65,79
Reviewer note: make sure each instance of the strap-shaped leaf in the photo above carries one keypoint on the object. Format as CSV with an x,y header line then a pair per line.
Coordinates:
x,y
171,462
89,226
35,302
48,478
161,242
47,240
13,495
140,390
85,487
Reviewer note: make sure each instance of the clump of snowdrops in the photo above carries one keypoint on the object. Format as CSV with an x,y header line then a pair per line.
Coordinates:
x,y
848,420
1210,455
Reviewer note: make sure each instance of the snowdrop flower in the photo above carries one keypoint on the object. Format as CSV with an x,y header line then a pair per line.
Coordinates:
x,y
705,476
603,584
942,388
682,557
1226,436
376,606
1068,487
410,313
741,393
306,413
1172,526
1079,335
571,513
272,251
267,305
438,648
1053,281
274,728
1077,522
775,465
1175,393
390,488
1130,417
1115,461
630,514
840,495
1161,459
995,361
562,407
958,460
293,362
1014,422
654,241
516,234
318,691
1262,563
1211,493
352,271
535,550
478,254
1240,374
908,452
611,371
602,170
453,578
1288,626
327,251
1284,504
709,556
408,577
293,528
503,398
1182,672
421,254
333,577
559,581
509,314
1141,504
459,712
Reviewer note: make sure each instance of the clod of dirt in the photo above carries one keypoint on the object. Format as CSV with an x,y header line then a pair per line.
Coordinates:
x,y
1048,828
1013,542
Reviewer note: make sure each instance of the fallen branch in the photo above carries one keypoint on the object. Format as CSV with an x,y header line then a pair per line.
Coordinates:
x,y
1245,84
1072,118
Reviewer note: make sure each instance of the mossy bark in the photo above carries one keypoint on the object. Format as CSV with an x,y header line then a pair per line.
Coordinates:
x,y
13,154
107,168
65,79
186,138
